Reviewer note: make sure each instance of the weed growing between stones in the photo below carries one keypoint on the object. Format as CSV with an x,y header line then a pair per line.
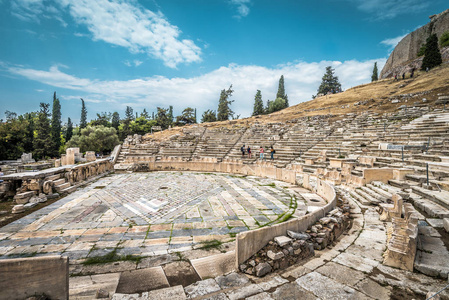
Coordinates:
x,y
209,245
112,257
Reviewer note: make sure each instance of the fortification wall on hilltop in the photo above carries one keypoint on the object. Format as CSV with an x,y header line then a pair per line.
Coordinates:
x,y
408,47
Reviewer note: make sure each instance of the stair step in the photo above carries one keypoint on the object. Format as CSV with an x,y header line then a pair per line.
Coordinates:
x,y
59,181
61,187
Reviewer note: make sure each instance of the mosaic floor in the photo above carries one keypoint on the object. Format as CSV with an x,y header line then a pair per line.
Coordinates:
x,y
152,213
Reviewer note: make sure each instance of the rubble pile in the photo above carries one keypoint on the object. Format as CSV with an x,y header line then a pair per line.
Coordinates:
x,y
285,251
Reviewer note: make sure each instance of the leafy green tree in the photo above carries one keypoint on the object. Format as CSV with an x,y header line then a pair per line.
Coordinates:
x,y
224,111
258,104
10,115
329,83
125,127
115,120
129,114
444,39
83,119
170,115
13,133
69,132
276,105
42,142
281,91
421,50
103,118
163,118
95,138
141,125
56,126
209,116
187,117
29,136
145,114
375,75
432,55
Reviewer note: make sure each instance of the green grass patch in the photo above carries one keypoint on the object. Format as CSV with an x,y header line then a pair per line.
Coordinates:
x,y
269,184
209,245
111,257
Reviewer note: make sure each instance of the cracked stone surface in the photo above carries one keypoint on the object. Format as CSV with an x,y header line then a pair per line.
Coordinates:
x,y
148,214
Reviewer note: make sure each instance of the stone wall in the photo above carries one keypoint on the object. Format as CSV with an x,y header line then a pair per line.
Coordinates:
x,y
408,47
25,277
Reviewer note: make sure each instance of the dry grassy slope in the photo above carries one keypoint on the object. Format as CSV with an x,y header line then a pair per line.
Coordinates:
x,y
378,93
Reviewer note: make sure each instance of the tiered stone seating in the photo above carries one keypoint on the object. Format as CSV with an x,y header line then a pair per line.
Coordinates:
x,y
216,142
257,135
401,240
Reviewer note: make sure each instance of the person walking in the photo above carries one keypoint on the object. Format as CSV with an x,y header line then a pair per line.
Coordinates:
x,y
261,152
249,151
243,151
272,152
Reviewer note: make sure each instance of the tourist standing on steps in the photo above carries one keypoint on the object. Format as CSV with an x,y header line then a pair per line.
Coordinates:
x,y
272,152
249,151
261,152
403,75
1,174
243,150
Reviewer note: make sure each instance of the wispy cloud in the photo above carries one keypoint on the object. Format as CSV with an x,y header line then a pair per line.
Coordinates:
x,y
242,7
135,63
301,82
389,9
392,42
122,23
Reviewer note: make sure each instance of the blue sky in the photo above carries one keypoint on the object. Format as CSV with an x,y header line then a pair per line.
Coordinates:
x,y
149,53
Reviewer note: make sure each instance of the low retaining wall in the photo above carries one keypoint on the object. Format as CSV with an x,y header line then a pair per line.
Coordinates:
x,y
233,166
248,243
26,277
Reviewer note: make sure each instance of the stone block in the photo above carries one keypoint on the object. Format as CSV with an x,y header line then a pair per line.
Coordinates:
x,y
23,198
17,209
275,256
282,240
446,224
90,156
399,174
26,277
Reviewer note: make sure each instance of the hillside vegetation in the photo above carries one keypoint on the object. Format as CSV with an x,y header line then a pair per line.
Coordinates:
x,y
376,97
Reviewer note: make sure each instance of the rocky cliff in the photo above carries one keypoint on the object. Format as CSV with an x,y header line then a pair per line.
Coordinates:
x,y
406,50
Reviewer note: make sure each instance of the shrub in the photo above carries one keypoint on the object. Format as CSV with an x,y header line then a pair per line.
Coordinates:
x,y
444,39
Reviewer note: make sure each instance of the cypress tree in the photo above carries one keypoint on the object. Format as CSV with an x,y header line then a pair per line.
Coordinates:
x,y
329,82
69,132
29,137
56,126
258,104
375,75
83,120
42,143
432,55
281,91
224,111
115,120
170,115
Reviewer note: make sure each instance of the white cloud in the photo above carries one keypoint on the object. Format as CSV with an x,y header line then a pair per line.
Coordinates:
x,y
301,82
242,7
135,63
391,43
389,9
119,22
